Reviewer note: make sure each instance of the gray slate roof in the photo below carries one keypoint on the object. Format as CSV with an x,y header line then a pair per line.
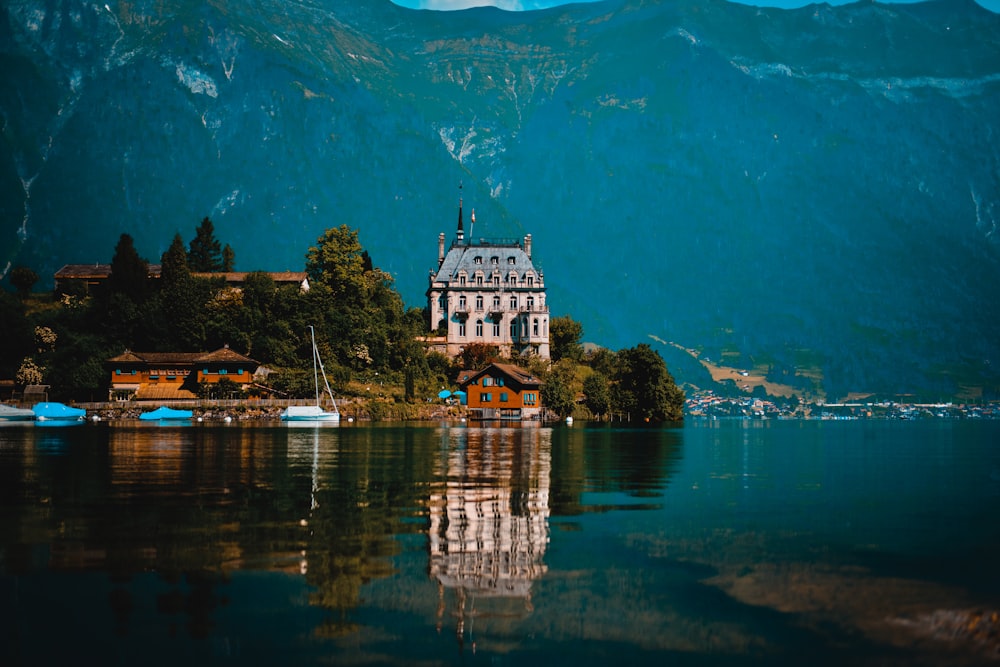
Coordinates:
x,y
463,257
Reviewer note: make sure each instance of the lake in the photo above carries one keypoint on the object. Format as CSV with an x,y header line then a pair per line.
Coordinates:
x,y
712,543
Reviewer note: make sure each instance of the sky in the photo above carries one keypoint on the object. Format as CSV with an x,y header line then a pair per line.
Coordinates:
x,y
523,5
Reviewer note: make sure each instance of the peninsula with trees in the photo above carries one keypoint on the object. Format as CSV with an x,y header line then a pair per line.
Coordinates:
x,y
377,351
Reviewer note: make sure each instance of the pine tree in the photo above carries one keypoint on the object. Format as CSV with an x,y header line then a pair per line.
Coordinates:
x,y
228,258
129,272
205,251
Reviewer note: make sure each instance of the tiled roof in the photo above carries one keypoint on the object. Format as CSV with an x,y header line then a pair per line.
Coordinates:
x,y
156,357
223,354
515,373
94,271
235,277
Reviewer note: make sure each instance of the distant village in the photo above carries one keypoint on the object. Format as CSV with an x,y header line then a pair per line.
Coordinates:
x,y
709,405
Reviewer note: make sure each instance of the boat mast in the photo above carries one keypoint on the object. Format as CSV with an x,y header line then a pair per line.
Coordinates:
x,y
312,333
326,383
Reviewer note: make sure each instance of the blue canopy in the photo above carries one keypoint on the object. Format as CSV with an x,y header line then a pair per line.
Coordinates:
x,y
59,411
444,393
163,412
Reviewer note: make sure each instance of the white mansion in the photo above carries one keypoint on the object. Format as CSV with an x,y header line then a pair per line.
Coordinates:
x,y
487,291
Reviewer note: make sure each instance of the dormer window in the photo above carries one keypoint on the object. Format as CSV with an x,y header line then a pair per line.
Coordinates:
x,y
531,281
511,260
478,260
494,260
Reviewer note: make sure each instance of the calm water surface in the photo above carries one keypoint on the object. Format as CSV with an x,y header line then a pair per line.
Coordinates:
x,y
715,543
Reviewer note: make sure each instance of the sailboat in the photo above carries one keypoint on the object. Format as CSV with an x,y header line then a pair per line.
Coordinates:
x,y
314,413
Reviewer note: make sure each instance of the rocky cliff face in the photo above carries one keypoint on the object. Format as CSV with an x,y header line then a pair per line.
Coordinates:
x,y
815,190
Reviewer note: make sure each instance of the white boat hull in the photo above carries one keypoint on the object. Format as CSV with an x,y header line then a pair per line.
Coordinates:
x,y
309,413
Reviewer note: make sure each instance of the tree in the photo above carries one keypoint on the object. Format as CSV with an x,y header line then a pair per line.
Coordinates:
x,y
556,396
646,389
16,332
228,258
183,300
597,396
337,261
205,252
564,338
129,272
479,355
29,372
23,279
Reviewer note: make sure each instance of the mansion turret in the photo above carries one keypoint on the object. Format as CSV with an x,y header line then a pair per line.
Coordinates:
x,y
488,291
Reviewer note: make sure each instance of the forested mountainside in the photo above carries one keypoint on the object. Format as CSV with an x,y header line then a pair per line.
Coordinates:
x,y
816,190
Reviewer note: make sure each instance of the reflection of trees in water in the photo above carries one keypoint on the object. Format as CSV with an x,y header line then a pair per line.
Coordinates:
x,y
489,523
609,459
357,497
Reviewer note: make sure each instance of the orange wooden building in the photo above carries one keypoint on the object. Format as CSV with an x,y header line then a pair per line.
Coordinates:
x,y
502,391
164,376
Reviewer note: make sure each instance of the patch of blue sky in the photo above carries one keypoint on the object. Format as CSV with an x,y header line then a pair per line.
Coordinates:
x,y
527,5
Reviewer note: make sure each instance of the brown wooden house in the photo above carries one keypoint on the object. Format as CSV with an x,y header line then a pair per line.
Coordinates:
x,y
504,392
166,376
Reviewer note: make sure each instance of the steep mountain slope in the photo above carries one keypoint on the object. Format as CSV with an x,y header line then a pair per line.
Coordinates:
x,y
813,190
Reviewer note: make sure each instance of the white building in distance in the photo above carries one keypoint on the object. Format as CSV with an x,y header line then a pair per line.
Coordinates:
x,y
487,291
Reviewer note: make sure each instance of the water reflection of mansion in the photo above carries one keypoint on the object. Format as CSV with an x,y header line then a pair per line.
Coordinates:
x,y
489,519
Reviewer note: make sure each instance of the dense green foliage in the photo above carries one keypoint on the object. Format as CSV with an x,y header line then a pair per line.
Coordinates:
x,y
23,279
565,335
362,328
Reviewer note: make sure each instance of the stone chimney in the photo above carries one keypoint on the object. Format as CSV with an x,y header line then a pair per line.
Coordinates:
x,y
527,245
440,249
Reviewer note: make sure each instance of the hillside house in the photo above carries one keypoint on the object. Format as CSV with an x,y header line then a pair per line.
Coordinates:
x,y
166,376
487,291
504,392
93,276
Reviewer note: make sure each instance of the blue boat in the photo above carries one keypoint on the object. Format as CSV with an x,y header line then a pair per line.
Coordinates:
x,y
164,413
58,412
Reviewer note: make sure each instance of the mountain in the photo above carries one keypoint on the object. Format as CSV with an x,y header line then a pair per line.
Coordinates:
x,y
815,192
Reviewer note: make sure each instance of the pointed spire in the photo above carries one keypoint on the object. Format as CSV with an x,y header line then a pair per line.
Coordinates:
x,y
461,232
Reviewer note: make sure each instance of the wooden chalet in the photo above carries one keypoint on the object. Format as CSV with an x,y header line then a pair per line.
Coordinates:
x,y
502,392
167,376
